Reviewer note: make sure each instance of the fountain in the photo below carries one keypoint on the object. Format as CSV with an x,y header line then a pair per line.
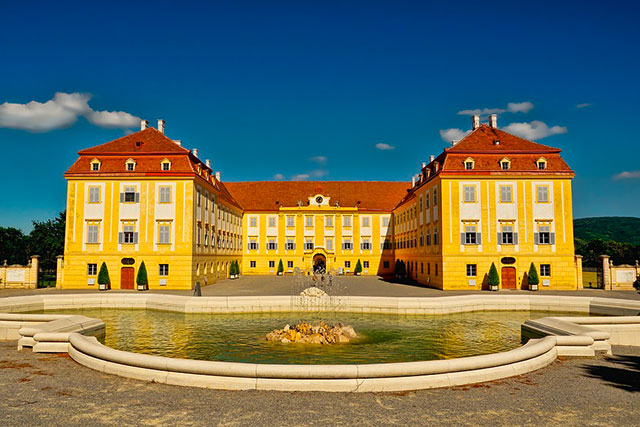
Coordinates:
x,y
320,333
318,288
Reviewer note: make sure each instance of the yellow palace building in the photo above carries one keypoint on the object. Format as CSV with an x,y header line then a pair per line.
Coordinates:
x,y
490,198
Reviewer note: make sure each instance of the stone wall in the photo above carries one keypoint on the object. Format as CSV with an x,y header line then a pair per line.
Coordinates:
x,y
618,277
20,276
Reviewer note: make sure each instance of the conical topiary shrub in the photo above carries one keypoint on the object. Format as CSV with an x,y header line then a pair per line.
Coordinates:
x,y
280,268
104,282
358,268
532,278
493,279
142,280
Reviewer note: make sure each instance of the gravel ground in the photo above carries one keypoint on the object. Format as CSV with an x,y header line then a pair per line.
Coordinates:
x,y
51,389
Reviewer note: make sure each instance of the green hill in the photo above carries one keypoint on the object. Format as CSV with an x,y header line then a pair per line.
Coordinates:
x,y
608,228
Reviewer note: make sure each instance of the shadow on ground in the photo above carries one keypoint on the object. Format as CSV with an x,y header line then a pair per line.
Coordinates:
x,y
625,375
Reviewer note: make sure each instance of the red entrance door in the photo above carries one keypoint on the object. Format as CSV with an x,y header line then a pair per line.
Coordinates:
x,y
508,278
126,278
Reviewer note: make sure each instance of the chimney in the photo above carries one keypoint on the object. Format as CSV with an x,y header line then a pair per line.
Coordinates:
x,y
218,176
423,165
144,124
161,125
475,122
208,163
413,181
493,121
194,151
431,157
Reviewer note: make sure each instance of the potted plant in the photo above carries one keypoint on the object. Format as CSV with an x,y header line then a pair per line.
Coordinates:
x,y
494,279
232,270
532,278
358,268
280,268
104,283
141,280
237,268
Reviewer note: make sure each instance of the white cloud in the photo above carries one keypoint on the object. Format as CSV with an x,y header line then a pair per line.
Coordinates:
x,y
278,177
627,175
60,112
583,105
453,134
512,107
519,107
534,130
317,173
300,177
321,160
384,146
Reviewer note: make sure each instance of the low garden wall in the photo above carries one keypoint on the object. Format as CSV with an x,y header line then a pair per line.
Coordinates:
x,y
550,337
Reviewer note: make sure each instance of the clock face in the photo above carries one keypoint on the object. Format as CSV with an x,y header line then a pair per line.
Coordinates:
x,y
319,199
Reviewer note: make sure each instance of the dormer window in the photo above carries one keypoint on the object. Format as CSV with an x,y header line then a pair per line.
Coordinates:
x,y
166,165
469,163
505,164
130,165
95,165
542,163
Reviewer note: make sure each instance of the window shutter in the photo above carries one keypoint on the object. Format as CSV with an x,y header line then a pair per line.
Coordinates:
x,y
135,238
515,238
479,238
536,238
137,198
120,237
121,197
462,241
499,238
552,238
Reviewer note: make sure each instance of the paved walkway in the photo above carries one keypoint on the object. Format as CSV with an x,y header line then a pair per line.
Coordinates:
x,y
51,389
346,285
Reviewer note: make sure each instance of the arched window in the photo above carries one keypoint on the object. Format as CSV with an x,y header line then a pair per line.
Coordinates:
x,y
130,165
469,163
95,165
505,164
165,164
541,163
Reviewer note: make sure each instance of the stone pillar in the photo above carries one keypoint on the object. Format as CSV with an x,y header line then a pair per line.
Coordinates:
x,y
3,275
606,272
59,271
579,284
34,272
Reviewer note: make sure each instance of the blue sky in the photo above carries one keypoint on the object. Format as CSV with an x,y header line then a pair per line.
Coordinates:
x,y
296,89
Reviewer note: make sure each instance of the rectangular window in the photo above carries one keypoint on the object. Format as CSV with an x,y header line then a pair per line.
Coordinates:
x,y
469,193
545,270
308,244
507,235
471,270
291,245
272,221
92,269
95,166
426,200
544,235
291,221
127,233
252,264
93,231
253,221
94,194
164,234
347,264
366,244
289,264
542,192
385,221
199,197
163,269
328,221
129,195
366,221
365,264
420,203
435,197
165,195
470,235
505,194
166,166
131,166
253,244
271,244
346,221
385,265
308,221
328,242
346,244
272,264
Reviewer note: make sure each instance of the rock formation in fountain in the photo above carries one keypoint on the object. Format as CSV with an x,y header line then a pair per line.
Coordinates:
x,y
320,333
313,292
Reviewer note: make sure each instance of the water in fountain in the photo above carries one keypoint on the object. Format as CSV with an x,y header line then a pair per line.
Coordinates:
x,y
319,288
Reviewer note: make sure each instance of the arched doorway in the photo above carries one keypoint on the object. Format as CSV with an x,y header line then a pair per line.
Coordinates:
x,y
319,263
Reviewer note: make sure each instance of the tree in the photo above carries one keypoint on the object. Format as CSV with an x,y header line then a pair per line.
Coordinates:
x,y
142,279
358,268
493,279
47,240
233,268
14,246
532,277
103,275
280,267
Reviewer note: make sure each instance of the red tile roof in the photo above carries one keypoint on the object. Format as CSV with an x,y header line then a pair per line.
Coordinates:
x,y
484,138
365,195
149,140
